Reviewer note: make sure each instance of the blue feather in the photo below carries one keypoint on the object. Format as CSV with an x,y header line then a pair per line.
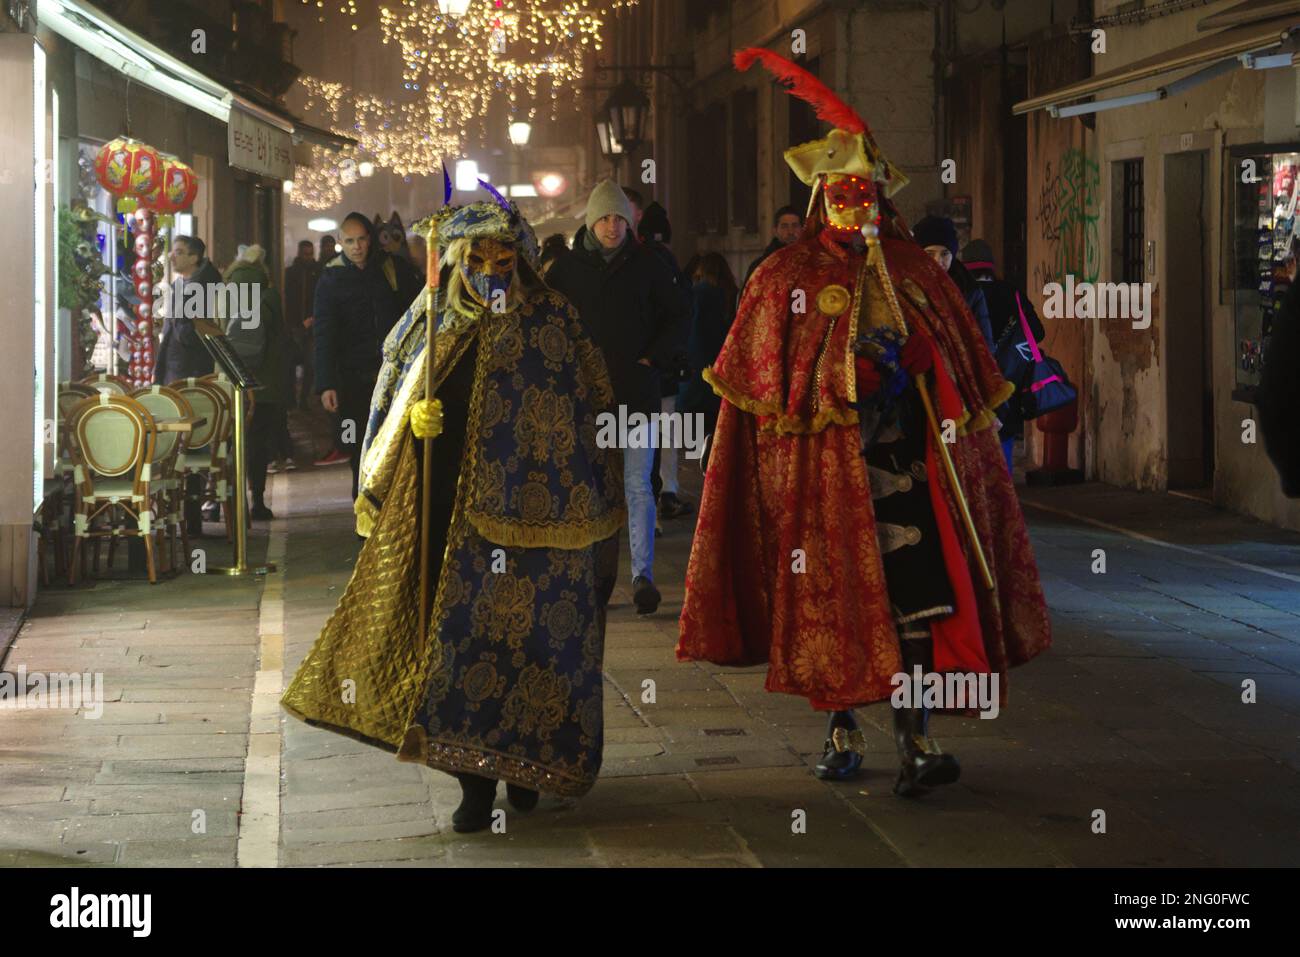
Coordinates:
x,y
446,185
501,200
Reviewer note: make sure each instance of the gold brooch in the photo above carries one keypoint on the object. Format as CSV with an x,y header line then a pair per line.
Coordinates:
x,y
833,300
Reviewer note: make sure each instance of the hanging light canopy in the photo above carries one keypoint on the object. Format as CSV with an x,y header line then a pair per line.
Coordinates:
x,y
626,112
520,132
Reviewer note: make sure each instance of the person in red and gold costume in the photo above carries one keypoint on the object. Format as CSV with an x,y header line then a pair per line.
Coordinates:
x,y
857,519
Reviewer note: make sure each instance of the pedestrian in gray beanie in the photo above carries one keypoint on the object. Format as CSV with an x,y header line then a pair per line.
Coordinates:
x,y
632,305
608,197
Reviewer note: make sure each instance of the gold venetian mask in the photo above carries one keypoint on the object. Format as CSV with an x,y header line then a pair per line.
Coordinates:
x,y
488,267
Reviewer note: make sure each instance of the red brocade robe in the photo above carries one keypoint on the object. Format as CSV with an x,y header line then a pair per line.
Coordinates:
x,y
786,473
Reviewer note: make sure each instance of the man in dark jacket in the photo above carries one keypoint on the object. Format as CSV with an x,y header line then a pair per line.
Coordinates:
x,y
361,294
655,232
636,313
938,234
787,224
182,353
1005,303
300,278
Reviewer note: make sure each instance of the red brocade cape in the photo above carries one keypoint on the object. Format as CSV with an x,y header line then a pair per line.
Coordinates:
x,y
785,566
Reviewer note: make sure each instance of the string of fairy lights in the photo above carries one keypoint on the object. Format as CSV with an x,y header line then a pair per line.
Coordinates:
x,y
530,51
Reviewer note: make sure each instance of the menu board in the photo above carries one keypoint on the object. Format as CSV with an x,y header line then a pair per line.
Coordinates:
x,y
224,354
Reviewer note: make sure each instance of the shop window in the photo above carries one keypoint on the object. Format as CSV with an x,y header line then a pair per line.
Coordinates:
x,y
1264,230
1132,222
708,190
744,167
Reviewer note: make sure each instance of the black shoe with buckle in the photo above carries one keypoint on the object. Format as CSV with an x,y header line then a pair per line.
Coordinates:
x,y
924,764
845,747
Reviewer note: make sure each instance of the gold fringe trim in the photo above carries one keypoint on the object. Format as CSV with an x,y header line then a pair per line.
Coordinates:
x,y
513,533
778,421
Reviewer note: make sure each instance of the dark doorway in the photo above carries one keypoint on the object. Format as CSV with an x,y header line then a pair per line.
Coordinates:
x,y
1189,396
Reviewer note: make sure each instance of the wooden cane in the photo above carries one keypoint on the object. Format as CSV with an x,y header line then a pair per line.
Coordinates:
x,y
426,485
876,259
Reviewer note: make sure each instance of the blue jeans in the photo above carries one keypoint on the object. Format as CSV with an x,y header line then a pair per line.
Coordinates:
x,y
637,465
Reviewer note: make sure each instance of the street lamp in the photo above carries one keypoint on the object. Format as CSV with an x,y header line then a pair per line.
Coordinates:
x,y
520,132
453,8
626,111
610,147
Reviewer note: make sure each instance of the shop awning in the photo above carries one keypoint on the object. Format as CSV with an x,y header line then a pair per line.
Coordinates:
x,y
131,54
1216,54
1252,11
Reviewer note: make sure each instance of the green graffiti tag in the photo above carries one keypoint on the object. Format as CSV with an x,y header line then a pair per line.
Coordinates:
x,y
1069,207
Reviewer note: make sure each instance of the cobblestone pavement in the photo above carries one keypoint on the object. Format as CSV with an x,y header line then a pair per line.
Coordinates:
x,y
1137,712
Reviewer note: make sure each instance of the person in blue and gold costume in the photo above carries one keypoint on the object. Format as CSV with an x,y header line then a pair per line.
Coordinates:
x,y
504,680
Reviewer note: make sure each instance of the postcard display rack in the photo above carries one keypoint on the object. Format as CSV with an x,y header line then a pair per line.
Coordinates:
x,y
1266,223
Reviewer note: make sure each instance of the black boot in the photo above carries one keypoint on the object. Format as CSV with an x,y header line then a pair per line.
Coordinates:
x,y
521,798
844,748
924,766
475,811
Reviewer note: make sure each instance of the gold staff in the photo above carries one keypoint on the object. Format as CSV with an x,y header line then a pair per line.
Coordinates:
x,y
876,260
428,229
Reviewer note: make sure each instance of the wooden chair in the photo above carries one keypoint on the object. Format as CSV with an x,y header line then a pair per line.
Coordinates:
x,y
205,454
113,444
165,402
112,383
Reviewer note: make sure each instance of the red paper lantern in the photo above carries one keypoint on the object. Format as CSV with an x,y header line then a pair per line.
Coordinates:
x,y
146,170
113,166
176,190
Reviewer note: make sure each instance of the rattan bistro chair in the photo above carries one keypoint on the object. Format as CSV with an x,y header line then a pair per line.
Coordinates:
x,y
113,445
205,454
165,402
110,383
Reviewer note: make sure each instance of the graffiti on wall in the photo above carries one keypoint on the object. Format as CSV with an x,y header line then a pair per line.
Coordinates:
x,y
1067,214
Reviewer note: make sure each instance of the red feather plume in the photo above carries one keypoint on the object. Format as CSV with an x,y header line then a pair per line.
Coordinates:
x,y
804,85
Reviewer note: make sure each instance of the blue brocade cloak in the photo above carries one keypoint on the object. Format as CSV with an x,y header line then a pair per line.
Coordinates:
x,y
506,681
